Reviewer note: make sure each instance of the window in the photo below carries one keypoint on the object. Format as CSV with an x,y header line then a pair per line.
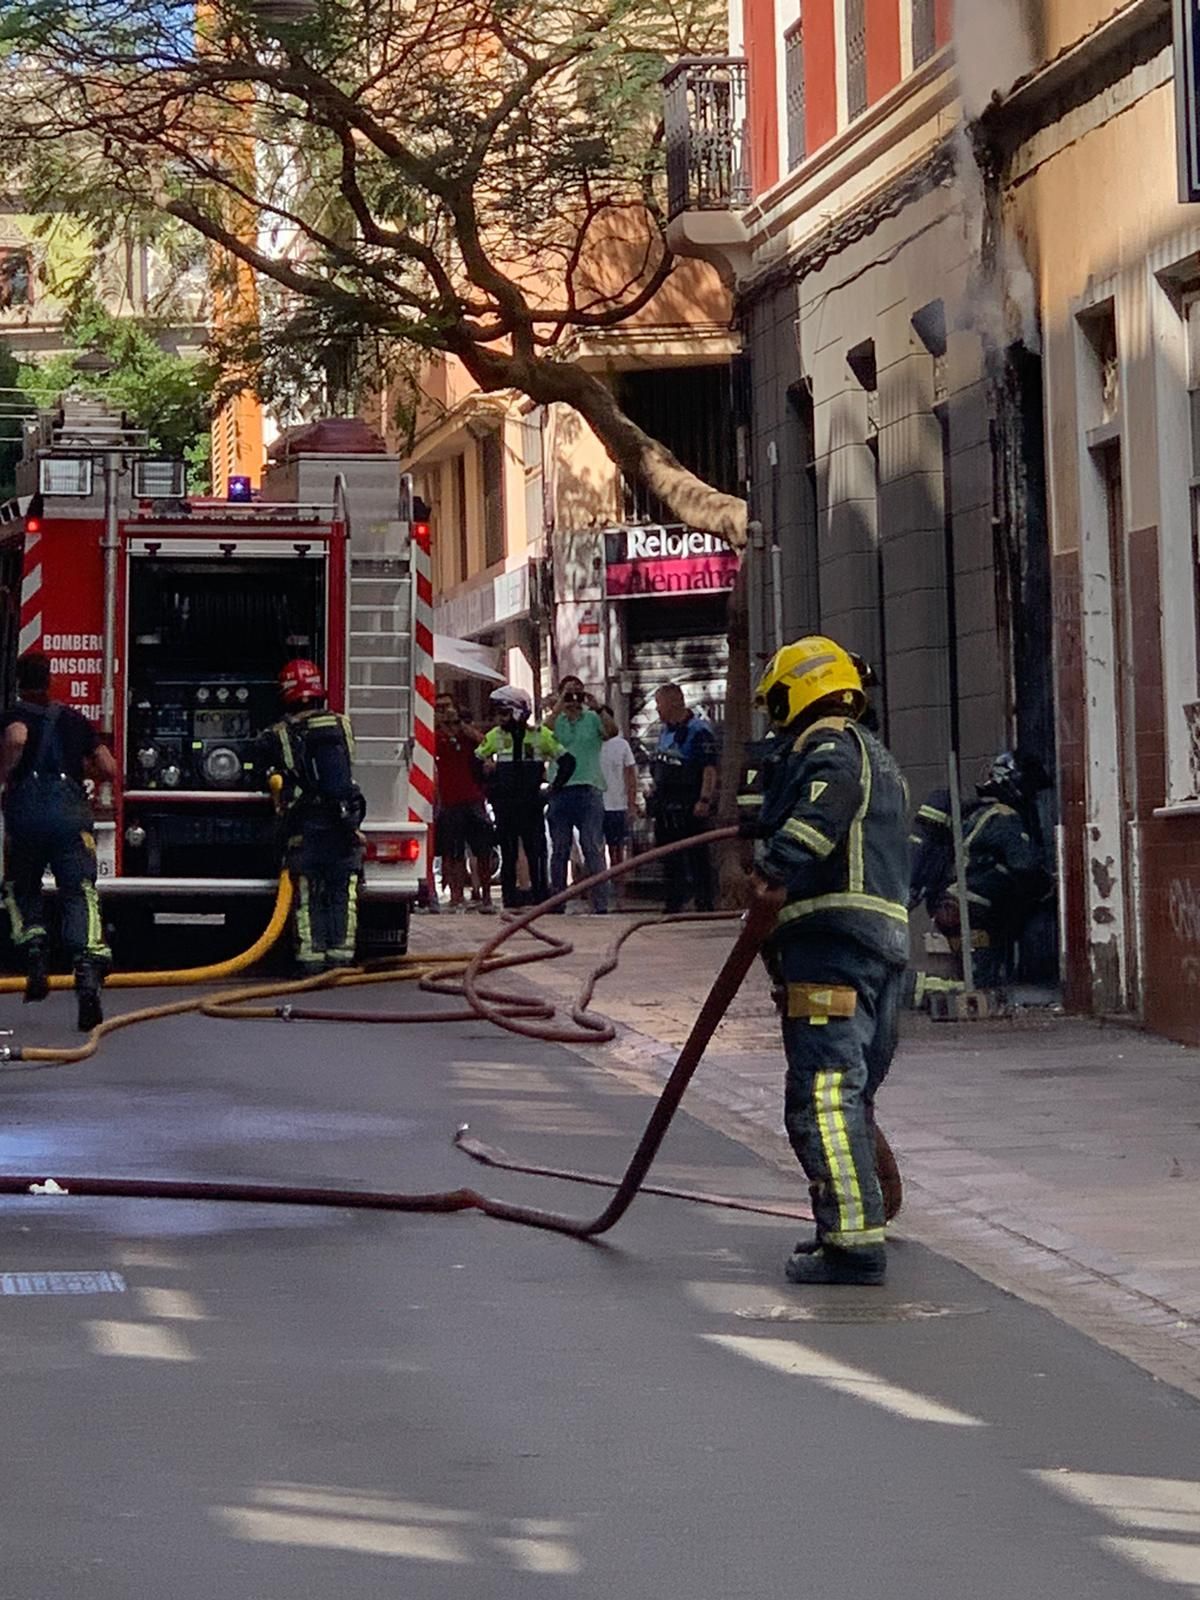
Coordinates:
x,y
491,454
460,517
924,30
532,424
856,58
793,56
16,279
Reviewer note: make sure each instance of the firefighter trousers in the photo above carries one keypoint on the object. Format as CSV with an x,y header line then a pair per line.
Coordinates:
x,y
839,1006
54,835
325,861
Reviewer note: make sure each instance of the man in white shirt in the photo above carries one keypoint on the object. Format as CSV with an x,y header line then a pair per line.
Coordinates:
x,y
619,770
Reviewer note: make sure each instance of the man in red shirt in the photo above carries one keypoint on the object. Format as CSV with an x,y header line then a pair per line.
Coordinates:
x,y
462,821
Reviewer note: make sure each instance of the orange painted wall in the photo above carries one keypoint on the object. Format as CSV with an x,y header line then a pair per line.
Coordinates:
x,y
758,17
883,47
820,73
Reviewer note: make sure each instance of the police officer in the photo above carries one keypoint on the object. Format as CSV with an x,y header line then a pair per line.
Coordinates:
x,y
47,751
684,769
312,753
514,755
832,861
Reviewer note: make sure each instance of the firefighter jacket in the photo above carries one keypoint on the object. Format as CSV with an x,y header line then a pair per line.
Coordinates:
x,y
932,850
833,832
313,752
1006,873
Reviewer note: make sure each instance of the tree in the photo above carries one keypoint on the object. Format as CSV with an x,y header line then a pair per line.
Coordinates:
x,y
478,177
168,395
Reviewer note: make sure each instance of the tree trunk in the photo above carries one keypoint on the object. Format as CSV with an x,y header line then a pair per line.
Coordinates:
x,y
695,503
640,457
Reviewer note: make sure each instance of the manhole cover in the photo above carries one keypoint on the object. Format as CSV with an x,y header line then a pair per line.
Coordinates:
x,y
61,1283
851,1311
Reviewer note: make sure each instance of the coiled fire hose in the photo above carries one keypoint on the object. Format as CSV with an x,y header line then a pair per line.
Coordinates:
x,y
515,1013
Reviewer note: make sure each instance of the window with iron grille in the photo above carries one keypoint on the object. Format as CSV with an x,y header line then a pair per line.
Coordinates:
x,y
793,57
492,461
856,58
924,30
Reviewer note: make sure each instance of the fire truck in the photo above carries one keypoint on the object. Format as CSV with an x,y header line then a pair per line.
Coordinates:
x,y
167,618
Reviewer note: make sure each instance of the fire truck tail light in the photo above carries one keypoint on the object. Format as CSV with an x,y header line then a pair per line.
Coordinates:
x,y
33,524
391,852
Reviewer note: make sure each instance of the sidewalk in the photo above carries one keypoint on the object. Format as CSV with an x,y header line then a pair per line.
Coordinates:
x,y
1058,1158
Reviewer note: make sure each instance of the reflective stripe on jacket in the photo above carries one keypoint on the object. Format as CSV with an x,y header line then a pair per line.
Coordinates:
x,y
834,832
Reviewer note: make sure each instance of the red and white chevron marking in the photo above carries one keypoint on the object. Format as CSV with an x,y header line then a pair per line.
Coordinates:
x,y
421,778
31,594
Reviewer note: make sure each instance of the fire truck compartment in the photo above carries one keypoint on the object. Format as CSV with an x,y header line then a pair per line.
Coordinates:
x,y
206,641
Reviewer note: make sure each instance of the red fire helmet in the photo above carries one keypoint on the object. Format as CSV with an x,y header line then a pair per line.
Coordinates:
x,y
301,680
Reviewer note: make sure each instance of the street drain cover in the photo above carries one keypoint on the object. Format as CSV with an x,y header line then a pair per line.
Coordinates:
x,y
61,1283
852,1311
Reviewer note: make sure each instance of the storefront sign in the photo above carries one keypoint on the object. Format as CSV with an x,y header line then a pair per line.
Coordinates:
x,y
485,605
666,561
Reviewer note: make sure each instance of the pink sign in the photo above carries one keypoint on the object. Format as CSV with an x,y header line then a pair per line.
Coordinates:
x,y
629,580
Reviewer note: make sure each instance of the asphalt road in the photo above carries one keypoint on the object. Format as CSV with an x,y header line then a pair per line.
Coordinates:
x,y
266,1405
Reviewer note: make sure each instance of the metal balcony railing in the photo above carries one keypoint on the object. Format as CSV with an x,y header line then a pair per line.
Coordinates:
x,y
707,135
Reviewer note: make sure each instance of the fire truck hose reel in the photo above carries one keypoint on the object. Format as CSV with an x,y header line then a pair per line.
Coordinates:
x,y
450,973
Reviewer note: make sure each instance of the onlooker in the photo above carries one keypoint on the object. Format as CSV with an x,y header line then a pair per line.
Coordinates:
x,y
685,782
619,770
463,829
578,807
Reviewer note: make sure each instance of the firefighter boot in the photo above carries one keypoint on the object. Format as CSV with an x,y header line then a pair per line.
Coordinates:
x,y
827,1264
88,984
37,979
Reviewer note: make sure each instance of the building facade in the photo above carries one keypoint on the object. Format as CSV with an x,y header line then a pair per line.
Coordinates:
x,y
892,394
1085,188
546,557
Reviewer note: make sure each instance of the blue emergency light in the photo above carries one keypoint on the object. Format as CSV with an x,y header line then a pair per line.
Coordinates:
x,y
239,489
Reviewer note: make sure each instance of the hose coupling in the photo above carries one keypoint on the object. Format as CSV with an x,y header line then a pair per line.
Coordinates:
x,y
284,1013
10,1052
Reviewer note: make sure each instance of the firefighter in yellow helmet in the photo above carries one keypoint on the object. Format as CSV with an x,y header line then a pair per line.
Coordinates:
x,y
832,861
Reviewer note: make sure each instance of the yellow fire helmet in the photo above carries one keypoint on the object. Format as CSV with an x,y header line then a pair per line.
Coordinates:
x,y
801,674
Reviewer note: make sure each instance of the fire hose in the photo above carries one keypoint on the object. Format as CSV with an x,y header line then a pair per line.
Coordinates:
x,y
516,1013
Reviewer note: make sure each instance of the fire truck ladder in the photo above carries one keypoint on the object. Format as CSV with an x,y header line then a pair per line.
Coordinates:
x,y
380,677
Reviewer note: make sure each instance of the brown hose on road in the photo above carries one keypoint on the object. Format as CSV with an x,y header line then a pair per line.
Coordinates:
x,y
728,980
517,1014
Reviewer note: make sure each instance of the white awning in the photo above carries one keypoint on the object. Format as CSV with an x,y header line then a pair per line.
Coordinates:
x,y
465,656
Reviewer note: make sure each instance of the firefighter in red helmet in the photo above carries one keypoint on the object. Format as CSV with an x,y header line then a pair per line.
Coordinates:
x,y
311,754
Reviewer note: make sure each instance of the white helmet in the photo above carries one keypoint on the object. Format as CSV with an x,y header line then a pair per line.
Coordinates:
x,y
509,698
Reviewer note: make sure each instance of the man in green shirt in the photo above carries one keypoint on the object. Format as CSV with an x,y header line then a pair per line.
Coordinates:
x,y
578,807
514,755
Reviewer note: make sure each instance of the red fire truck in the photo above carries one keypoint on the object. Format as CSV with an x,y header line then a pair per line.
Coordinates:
x,y
167,619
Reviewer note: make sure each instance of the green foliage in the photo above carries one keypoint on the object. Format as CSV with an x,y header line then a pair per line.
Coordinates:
x,y
167,394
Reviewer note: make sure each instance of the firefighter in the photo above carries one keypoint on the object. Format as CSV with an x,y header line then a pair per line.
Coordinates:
x,y
48,750
1007,877
832,862
311,753
514,755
